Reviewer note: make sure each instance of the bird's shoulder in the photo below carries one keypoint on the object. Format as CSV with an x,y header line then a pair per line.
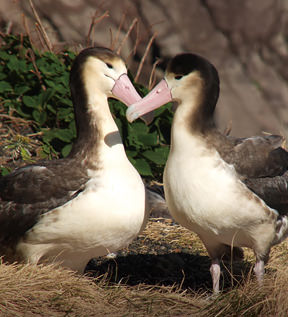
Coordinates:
x,y
42,181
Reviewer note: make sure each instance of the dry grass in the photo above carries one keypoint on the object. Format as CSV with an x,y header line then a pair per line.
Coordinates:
x,y
48,291
250,300
27,290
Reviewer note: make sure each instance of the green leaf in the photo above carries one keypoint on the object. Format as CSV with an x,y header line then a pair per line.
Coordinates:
x,y
5,86
48,135
143,167
131,153
159,111
138,134
51,109
4,55
22,113
65,135
72,128
5,171
17,65
61,89
39,116
21,89
66,149
50,83
138,128
148,139
63,113
46,148
31,102
143,91
23,94
119,124
64,101
45,96
25,154
158,156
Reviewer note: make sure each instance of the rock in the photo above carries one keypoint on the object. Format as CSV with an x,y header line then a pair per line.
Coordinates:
x,y
245,40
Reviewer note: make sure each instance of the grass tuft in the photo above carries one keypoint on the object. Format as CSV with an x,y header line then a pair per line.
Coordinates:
x,y
27,290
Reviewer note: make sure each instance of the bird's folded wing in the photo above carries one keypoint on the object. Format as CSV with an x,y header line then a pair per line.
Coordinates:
x,y
33,190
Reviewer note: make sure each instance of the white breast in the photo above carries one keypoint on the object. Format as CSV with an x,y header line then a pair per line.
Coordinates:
x,y
204,193
105,217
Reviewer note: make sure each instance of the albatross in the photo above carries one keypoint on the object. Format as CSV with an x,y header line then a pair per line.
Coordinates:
x,y
90,203
229,191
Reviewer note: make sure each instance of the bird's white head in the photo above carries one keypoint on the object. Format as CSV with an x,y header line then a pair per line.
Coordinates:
x,y
98,71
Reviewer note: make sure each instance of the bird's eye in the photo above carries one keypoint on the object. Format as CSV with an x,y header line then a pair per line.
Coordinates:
x,y
109,65
178,77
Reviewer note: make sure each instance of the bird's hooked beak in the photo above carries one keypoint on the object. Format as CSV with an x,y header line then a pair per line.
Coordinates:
x,y
124,90
157,97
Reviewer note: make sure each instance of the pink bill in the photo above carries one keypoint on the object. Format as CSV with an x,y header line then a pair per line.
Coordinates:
x,y
125,91
157,97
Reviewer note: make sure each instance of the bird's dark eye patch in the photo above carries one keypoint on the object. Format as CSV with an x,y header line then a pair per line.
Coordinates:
x,y
178,77
109,65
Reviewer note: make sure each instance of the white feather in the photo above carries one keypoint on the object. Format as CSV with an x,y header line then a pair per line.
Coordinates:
x,y
205,194
105,217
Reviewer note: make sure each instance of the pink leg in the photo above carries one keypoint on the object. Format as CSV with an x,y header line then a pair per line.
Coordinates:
x,y
215,273
259,271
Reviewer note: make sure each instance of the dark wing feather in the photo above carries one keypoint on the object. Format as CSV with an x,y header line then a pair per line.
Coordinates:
x,y
259,156
273,190
33,190
41,182
254,157
261,163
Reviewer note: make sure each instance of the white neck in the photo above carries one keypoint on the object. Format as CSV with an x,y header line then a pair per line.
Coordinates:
x,y
110,143
100,115
181,135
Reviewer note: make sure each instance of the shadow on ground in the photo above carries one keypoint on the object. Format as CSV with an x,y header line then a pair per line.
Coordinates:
x,y
182,270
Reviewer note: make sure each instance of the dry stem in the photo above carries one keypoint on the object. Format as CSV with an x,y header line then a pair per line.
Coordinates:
x,y
134,22
152,75
95,20
144,56
36,70
115,41
40,27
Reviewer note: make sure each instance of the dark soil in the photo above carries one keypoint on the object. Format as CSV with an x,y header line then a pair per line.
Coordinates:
x,y
154,259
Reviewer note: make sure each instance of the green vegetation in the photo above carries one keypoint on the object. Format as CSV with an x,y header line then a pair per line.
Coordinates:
x,y
35,87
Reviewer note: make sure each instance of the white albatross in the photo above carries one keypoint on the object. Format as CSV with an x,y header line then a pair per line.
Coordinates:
x,y
231,192
91,203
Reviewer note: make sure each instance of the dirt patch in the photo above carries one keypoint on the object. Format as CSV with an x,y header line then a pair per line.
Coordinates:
x,y
166,254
